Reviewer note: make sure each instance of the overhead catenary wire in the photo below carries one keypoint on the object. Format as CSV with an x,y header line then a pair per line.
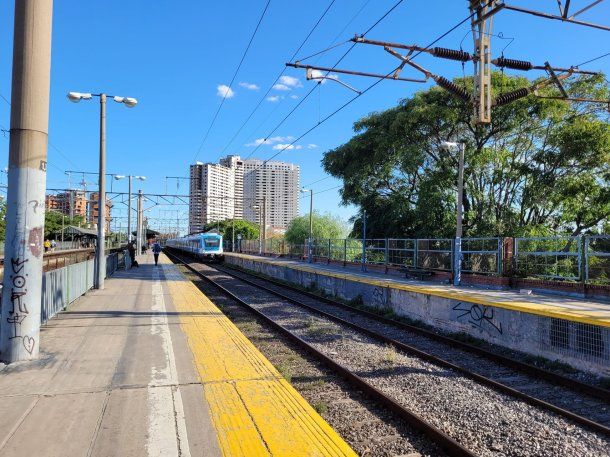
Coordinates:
x,y
382,78
50,144
319,82
207,133
277,78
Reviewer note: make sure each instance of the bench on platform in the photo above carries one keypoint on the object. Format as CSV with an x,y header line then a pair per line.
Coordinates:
x,y
417,273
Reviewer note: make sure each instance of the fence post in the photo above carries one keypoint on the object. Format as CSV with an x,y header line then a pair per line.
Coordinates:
x,y
344,252
329,247
387,255
582,259
500,259
415,249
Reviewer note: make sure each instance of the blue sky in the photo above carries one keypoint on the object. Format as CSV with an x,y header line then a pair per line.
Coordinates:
x,y
172,59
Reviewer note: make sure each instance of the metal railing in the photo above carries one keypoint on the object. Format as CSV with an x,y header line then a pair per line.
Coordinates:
x,y
597,259
557,257
583,258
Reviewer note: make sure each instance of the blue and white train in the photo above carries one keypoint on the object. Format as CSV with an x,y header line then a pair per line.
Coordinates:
x,y
205,246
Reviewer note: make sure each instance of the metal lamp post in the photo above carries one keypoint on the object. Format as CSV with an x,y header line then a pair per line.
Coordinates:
x,y
310,239
457,256
119,177
100,255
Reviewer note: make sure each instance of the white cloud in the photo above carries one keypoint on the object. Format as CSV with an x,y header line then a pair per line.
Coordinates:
x,y
319,74
290,81
224,91
272,140
249,86
273,98
294,97
281,87
312,146
287,146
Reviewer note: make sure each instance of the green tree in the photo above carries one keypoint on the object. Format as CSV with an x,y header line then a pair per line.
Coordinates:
x,y
248,230
324,226
542,165
55,220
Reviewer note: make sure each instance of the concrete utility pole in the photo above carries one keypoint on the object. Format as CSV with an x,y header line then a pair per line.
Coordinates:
x,y
264,221
457,277
21,298
139,225
129,212
363,240
100,252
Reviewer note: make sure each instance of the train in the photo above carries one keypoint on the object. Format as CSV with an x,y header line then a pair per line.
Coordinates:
x,y
205,246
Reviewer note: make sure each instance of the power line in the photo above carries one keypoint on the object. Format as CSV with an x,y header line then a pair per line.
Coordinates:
x,y
50,144
319,82
594,59
262,99
232,79
367,89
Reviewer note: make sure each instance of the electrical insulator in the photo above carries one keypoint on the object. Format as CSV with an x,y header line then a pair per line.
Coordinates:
x,y
452,87
511,96
513,63
452,54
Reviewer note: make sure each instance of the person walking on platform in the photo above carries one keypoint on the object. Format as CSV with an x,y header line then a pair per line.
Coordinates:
x,y
156,249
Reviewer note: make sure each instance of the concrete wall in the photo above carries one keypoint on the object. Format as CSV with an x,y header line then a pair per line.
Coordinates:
x,y
584,346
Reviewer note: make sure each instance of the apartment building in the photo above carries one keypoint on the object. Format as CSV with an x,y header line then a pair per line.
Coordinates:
x,y
70,203
75,203
236,188
276,184
216,192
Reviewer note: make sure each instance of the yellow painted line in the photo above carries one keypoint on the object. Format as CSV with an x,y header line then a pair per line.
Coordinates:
x,y
592,313
255,411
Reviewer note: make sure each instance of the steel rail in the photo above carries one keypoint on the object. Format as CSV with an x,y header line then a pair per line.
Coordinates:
x,y
527,368
447,443
437,360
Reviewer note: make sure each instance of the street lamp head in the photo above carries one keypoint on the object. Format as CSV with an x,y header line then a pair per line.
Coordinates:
x,y
141,178
127,101
77,96
117,177
447,145
304,190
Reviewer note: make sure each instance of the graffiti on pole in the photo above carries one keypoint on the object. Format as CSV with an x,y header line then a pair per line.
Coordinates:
x,y
19,311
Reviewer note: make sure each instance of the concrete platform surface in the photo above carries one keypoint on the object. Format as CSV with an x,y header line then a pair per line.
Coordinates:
x,y
555,306
149,367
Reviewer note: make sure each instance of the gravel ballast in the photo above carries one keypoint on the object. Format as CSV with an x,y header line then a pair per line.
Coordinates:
x,y
481,419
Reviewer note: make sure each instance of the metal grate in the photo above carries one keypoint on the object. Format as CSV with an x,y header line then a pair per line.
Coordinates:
x,y
575,340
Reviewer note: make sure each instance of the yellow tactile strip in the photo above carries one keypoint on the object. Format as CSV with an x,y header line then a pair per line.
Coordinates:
x,y
254,410
595,314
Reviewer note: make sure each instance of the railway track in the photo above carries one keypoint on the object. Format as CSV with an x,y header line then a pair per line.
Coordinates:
x,y
584,403
359,322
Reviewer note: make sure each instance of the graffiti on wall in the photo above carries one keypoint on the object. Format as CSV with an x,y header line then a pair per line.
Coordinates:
x,y
480,316
379,298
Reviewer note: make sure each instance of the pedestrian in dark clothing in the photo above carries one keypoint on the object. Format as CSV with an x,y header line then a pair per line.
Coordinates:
x,y
132,253
156,249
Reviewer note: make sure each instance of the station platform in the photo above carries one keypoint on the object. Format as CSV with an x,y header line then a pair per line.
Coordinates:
x,y
556,306
575,331
150,367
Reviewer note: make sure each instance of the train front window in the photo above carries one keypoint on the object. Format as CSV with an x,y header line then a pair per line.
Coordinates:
x,y
211,242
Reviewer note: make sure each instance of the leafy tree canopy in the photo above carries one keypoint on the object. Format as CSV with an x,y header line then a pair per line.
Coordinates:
x,y
55,220
324,226
541,166
247,230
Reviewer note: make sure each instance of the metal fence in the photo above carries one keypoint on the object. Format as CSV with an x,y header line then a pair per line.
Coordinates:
x,y
597,259
558,257
62,286
582,258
